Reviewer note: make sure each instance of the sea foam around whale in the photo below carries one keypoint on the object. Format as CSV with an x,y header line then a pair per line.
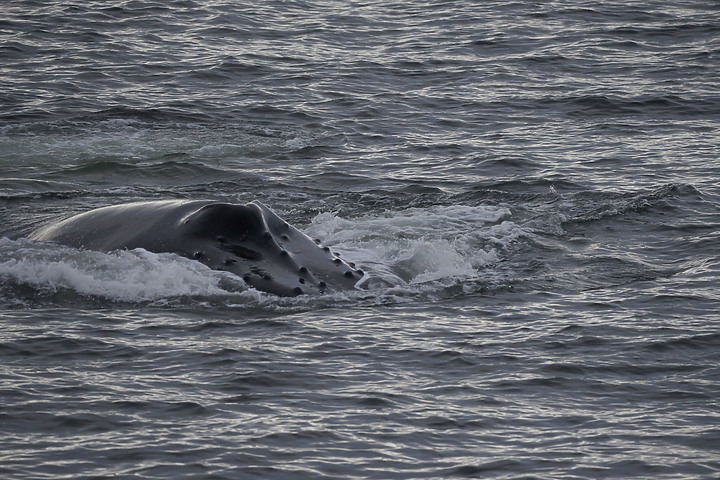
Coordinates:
x,y
411,251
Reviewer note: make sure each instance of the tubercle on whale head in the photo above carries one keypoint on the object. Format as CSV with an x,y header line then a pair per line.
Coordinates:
x,y
269,254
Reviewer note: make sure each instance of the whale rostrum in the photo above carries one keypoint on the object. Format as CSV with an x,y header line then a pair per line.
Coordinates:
x,y
249,240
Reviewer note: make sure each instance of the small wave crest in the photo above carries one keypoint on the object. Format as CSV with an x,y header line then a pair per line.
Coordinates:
x,y
91,145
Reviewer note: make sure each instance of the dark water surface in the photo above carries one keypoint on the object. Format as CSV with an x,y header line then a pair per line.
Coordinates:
x,y
532,188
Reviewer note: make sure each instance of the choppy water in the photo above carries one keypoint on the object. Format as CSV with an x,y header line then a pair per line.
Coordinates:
x,y
533,189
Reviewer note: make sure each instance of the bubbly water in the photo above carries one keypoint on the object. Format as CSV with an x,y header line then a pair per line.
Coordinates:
x,y
532,189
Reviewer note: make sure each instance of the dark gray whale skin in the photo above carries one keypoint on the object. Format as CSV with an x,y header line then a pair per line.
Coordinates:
x,y
248,240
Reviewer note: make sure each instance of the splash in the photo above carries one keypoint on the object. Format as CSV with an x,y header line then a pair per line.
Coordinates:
x,y
420,245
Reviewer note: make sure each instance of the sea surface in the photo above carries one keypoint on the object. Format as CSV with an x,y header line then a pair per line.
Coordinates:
x,y
533,189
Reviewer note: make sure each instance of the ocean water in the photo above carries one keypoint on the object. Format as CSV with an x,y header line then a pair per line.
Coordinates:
x,y
532,188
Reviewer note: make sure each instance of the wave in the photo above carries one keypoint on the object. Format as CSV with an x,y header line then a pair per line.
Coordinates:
x,y
588,206
646,105
124,148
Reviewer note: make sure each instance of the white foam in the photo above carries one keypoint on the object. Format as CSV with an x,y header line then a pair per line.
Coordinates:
x,y
419,245
136,275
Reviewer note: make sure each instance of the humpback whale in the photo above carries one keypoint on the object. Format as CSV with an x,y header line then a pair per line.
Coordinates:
x,y
249,240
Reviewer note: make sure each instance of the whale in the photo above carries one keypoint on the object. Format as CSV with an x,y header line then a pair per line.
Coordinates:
x,y
248,240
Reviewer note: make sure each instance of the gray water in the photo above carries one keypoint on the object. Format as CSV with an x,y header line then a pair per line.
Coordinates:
x,y
531,188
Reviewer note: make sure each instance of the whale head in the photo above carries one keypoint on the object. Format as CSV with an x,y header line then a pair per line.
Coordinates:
x,y
254,243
